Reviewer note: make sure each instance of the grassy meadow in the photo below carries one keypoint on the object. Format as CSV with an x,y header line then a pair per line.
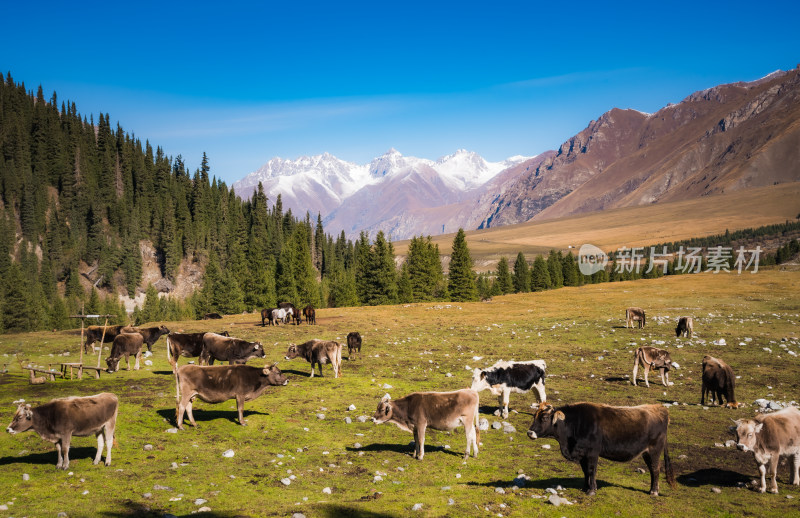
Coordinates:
x,y
420,347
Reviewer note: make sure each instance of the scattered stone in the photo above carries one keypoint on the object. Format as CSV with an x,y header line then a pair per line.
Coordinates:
x,y
26,477
386,386
555,500
200,501
149,363
172,430
62,514
483,424
159,487
716,490
148,447
551,490
286,481
496,425
362,418
228,454
417,507
545,446
348,420
147,495
320,416
500,490
205,509
351,407
357,445
326,490
730,443
509,428
450,501
298,515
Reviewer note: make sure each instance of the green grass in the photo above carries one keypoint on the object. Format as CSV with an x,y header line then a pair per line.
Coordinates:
x,y
412,348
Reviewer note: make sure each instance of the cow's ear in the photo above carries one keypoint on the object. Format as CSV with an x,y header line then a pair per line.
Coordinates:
x,y
483,375
759,426
386,397
255,347
386,409
558,416
28,412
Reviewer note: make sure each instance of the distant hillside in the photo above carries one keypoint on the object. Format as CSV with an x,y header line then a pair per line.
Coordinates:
x,y
720,140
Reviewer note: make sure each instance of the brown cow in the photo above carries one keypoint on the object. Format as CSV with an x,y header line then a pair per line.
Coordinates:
x,y
229,349
633,315
353,344
60,419
443,411
718,380
95,334
310,314
125,345
317,352
769,436
218,383
685,327
652,358
189,345
587,431
212,316
266,316
151,334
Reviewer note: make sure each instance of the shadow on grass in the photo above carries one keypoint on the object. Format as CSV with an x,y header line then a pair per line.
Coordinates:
x,y
407,449
619,379
334,511
713,477
202,415
164,373
139,509
51,457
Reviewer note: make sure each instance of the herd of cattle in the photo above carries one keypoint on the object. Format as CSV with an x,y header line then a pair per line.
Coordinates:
x,y
584,431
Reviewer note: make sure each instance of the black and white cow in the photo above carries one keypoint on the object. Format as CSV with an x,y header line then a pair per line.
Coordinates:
x,y
505,377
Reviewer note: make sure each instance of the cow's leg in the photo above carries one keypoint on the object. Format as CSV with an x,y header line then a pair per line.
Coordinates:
x,y
646,372
190,414
179,410
419,440
469,426
320,368
664,377
762,469
654,465
589,466
506,397
773,469
540,391
240,409
136,367
703,394
65,451
99,447
796,472
108,430
60,454
635,370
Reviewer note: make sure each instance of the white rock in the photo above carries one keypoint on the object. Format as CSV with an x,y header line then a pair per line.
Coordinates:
x,y
417,507
172,430
149,363
351,407
200,501
227,453
286,481
26,477
320,416
500,490
545,446
326,490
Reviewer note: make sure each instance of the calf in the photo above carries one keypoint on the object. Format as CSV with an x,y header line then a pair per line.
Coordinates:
x,y
634,315
152,334
503,378
60,419
718,380
587,431
125,345
685,327
652,358
279,315
95,334
317,352
438,410
353,344
189,345
769,436
310,314
229,349
218,383
266,316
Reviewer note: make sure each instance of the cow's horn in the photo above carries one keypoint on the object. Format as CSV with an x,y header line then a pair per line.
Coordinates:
x,y
559,416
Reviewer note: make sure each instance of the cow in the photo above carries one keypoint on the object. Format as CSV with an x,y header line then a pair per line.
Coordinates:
x,y
60,419
266,316
685,327
297,316
218,383
310,314
769,436
353,344
189,345
280,315
125,345
652,358
229,349
152,334
719,381
504,377
633,315
587,431
95,334
317,352
212,316
443,411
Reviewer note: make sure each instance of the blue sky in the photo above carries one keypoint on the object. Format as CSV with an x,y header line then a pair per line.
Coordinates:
x,y
248,81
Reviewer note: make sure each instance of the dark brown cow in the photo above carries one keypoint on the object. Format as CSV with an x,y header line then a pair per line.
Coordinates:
x,y
587,431
218,383
769,436
60,419
685,327
189,345
652,358
229,349
719,381
152,334
353,344
310,314
317,352
95,334
212,316
297,316
125,345
438,410
266,316
634,315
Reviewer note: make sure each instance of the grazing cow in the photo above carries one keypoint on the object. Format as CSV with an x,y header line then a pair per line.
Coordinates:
x,y
152,334
279,315
317,352
218,383
229,349
718,380
266,316
652,358
125,345
769,436
189,345
212,316
60,419
633,315
587,431
503,378
95,334
297,316
310,314
438,410
685,327
353,344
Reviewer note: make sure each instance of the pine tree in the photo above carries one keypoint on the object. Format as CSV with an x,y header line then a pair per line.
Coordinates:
x,y
381,273
521,275
504,281
556,268
570,270
540,275
461,277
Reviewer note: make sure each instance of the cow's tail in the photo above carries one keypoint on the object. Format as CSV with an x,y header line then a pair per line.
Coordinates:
x,y
169,354
177,387
668,468
339,357
476,424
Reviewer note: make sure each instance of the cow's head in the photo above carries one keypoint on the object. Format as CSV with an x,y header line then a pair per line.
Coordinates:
x,y
162,330
291,353
662,360
679,329
274,375
257,350
746,432
113,364
479,380
545,421
384,411
22,421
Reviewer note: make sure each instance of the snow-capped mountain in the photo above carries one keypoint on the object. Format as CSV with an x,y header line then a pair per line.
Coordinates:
x,y
354,197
